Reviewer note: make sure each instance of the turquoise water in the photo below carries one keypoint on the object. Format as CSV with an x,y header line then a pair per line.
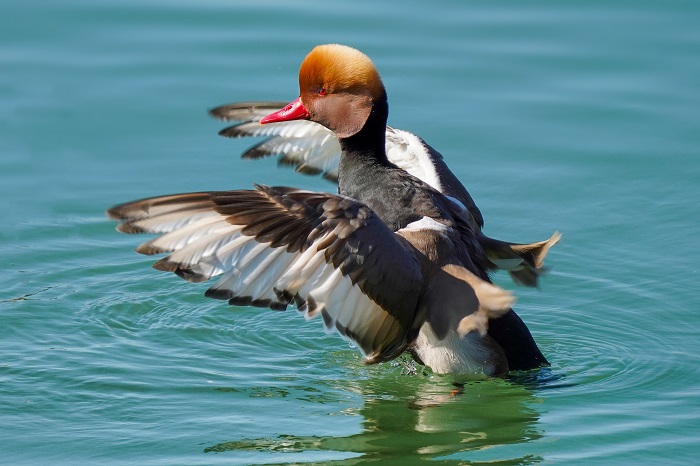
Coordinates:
x,y
577,116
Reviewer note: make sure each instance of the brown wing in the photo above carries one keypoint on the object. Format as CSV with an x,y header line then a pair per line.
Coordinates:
x,y
312,149
328,254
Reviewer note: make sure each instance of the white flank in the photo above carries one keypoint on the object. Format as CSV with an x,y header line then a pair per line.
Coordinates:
x,y
407,151
425,223
453,354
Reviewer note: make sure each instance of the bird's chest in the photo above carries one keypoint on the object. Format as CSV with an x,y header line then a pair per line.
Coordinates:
x,y
454,355
395,201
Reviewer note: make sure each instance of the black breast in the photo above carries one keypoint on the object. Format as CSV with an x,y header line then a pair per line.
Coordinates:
x,y
397,197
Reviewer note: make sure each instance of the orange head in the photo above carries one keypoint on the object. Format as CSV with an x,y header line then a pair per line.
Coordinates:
x,y
338,87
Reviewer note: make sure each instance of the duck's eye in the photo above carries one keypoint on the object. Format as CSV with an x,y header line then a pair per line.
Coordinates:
x,y
322,91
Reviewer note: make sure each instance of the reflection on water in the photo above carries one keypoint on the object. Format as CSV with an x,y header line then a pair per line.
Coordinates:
x,y
429,416
543,379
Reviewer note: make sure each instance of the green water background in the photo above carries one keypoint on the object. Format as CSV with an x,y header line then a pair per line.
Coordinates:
x,y
577,116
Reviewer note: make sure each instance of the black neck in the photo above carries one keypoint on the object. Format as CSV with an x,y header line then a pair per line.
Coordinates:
x,y
370,142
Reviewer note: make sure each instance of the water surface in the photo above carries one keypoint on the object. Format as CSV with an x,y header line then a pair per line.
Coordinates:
x,y
577,116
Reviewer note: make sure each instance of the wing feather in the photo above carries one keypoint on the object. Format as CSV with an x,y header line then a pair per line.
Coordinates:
x,y
274,246
189,233
240,111
313,149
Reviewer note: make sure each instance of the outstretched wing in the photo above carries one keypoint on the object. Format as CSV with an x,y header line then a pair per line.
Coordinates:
x,y
328,254
309,147
313,149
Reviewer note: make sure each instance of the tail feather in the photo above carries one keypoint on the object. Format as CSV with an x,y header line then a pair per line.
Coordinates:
x,y
524,262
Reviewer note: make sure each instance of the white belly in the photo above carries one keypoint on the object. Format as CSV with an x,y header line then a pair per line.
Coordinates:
x,y
472,354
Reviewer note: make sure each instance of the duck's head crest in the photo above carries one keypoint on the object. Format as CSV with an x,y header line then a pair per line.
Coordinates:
x,y
339,68
338,88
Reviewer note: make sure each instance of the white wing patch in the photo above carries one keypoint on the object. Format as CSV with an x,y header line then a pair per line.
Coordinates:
x,y
425,223
407,151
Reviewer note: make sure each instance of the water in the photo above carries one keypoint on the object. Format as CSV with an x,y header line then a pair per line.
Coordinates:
x,y
577,116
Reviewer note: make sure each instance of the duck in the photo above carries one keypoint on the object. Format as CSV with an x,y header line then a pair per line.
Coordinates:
x,y
313,149
389,262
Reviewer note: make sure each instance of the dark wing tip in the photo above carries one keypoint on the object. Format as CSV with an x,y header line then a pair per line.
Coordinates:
x,y
148,249
233,131
118,212
305,169
256,152
245,300
244,111
219,293
190,275
166,265
130,229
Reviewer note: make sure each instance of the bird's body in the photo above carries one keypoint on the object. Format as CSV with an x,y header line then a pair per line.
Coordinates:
x,y
394,263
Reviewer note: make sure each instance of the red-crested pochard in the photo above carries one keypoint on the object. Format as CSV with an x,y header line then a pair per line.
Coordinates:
x,y
391,263
313,149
